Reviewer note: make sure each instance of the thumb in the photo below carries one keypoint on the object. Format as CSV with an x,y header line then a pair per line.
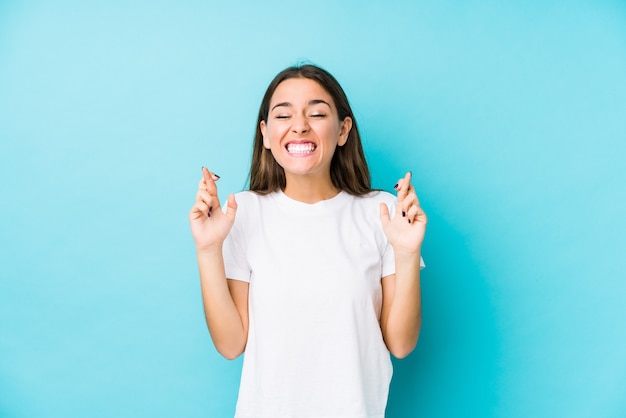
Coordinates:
x,y
384,214
231,207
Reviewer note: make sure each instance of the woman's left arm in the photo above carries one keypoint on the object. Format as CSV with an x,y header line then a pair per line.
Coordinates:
x,y
401,316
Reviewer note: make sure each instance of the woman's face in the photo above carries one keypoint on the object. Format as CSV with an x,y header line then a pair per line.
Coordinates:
x,y
303,128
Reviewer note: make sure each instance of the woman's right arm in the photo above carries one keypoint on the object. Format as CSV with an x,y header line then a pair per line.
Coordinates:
x,y
225,301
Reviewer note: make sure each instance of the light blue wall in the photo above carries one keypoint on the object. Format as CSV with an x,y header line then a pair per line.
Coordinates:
x,y
512,116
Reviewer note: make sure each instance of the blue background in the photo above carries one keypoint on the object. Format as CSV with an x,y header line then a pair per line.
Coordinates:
x,y
511,115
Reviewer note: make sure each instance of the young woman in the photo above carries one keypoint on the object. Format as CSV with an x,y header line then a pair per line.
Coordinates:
x,y
311,273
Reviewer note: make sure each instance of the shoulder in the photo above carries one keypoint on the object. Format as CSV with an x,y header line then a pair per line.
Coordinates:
x,y
368,205
376,197
248,197
250,204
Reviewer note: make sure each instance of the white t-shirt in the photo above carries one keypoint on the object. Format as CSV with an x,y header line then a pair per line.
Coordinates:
x,y
315,347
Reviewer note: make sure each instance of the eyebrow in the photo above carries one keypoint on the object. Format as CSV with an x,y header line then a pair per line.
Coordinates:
x,y
311,103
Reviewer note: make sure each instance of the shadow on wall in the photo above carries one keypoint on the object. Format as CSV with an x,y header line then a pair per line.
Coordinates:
x,y
456,358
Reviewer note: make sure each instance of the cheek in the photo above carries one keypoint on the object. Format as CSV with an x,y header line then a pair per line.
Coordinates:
x,y
330,133
273,139
276,131
269,136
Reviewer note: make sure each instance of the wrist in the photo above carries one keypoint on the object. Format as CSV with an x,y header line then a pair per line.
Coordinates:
x,y
404,252
408,257
209,250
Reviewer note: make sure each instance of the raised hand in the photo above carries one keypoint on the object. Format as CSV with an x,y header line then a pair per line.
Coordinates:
x,y
209,224
406,231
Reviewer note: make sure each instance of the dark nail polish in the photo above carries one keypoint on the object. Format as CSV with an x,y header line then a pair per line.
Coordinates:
x,y
210,209
396,186
409,221
403,214
216,176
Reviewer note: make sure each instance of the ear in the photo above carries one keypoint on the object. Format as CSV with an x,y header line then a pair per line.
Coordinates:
x,y
344,131
266,141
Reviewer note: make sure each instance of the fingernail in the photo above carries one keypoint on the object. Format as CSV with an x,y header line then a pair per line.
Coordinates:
x,y
396,186
216,176
210,209
409,221
404,214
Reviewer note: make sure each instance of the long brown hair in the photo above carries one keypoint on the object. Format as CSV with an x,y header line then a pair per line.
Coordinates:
x,y
348,168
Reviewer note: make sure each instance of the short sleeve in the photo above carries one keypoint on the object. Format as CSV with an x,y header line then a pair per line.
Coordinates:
x,y
234,253
389,260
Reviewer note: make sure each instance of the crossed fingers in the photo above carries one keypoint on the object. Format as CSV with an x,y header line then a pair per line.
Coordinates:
x,y
408,203
206,197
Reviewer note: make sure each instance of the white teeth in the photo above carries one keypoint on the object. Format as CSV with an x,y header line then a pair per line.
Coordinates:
x,y
300,148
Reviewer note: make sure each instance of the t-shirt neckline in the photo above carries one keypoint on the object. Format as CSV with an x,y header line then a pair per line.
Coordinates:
x,y
317,207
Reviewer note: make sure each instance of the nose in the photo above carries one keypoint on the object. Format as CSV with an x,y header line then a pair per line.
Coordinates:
x,y
300,125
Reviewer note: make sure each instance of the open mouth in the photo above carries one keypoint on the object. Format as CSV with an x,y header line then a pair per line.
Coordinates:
x,y
301,148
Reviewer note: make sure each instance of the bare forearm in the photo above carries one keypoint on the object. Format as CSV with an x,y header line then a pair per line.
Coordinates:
x,y
404,319
222,317
401,316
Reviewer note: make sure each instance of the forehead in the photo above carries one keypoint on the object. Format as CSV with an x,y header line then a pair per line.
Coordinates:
x,y
300,90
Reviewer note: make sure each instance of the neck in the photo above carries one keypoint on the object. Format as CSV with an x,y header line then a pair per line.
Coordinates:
x,y
310,190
